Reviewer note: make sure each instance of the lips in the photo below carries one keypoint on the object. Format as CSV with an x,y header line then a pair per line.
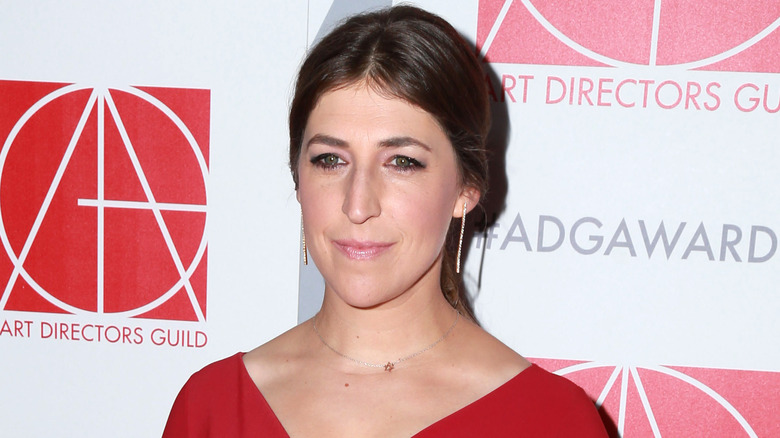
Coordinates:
x,y
361,250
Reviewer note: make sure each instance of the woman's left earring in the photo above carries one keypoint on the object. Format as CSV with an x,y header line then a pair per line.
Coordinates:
x,y
460,241
303,243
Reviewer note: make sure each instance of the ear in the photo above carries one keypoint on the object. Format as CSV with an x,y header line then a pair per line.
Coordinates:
x,y
470,196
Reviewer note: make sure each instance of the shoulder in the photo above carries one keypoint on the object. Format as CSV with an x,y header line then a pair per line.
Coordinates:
x,y
280,358
482,359
221,400
522,397
552,387
554,403
215,378
203,396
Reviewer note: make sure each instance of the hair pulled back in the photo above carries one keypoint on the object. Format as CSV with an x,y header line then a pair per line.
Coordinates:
x,y
414,55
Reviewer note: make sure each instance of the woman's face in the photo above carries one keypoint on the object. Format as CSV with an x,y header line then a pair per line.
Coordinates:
x,y
378,188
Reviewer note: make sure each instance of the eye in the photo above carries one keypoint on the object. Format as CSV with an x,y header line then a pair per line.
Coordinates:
x,y
406,163
327,161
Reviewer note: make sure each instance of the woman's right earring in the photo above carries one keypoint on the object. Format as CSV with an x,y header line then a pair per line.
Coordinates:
x,y
460,241
303,242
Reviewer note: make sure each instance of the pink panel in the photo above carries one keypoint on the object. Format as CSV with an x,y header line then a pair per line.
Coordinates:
x,y
688,31
619,30
522,39
683,405
694,30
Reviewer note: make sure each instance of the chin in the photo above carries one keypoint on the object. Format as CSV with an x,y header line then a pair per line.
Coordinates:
x,y
364,300
361,295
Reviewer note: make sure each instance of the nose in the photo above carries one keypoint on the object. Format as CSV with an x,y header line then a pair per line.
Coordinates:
x,y
361,199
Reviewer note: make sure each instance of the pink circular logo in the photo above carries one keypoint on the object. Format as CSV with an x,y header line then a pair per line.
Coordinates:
x,y
740,35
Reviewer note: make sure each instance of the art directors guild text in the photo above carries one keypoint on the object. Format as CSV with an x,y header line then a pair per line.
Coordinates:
x,y
101,333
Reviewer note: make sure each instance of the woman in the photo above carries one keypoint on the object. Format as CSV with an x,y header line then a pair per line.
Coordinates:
x,y
387,132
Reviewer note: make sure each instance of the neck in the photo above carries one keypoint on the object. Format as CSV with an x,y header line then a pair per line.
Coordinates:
x,y
387,332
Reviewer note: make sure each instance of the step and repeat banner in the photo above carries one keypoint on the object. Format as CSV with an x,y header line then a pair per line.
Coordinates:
x,y
149,225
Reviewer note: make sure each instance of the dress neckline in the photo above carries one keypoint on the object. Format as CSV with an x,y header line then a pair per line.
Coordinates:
x,y
247,380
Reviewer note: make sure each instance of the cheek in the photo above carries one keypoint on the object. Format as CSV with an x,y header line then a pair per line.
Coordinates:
x,y
309,197
426,215
316,204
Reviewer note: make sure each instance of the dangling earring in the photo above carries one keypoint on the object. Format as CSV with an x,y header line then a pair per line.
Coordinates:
x,y
460,241
303,241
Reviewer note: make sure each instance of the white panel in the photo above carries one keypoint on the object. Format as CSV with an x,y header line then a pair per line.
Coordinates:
x,y
246,53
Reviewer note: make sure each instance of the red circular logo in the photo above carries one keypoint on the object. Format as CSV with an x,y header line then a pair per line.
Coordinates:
x,y
103,202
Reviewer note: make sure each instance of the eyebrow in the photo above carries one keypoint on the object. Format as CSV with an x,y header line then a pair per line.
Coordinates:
x,y
403,141
327,140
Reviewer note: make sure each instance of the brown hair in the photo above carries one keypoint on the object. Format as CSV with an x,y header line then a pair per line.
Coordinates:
x,y
411,54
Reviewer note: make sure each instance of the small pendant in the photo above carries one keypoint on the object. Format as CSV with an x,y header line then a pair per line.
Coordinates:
x,y
389,367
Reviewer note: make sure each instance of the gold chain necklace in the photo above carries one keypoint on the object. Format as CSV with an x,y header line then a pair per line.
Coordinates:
x,y
390,364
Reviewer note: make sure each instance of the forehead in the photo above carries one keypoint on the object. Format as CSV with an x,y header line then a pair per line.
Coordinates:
x,y
359,109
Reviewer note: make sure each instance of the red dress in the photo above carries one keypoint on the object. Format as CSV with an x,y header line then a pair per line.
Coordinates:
x,y
221,400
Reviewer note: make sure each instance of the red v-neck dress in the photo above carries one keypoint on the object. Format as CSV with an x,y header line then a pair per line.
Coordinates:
x,y
221,400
